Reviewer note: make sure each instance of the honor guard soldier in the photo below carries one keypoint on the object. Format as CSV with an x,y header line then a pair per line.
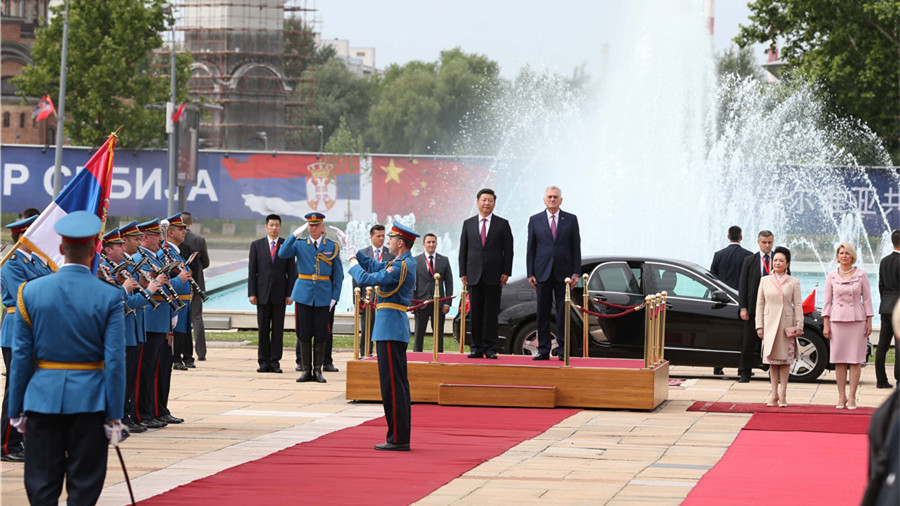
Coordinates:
x,y
396,281
317,290
22,266
68,374
174,230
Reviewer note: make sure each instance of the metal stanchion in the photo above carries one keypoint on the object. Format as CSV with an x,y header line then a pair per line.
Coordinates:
x,y
437,313
462,319
368,329
584,318
356,323
656,299
662,332
568,321
647,324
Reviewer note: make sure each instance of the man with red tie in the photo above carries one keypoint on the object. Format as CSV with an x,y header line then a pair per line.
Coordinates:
x,y
755,267
427,265
553,254
485,264
270,281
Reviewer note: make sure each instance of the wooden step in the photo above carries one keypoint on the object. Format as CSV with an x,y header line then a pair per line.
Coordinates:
x,y
511,396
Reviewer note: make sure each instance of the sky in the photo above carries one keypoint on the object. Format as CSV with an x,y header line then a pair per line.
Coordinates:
x,y
558,36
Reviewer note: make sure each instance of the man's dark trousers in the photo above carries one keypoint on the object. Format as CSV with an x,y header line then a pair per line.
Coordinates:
x,y
12,439
271,333
422,317
884,344
392,373
484,300
546,291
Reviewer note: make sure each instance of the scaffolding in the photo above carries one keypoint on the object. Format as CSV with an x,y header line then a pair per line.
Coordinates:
x,y
252,59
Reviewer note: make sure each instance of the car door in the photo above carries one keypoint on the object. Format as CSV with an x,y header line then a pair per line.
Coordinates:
x,y
616,282
699,330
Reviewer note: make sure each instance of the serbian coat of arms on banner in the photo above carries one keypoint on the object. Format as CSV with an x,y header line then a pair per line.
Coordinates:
x,y
321,188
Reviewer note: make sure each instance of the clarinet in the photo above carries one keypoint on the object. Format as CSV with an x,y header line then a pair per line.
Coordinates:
x,y
116,268
105,271
191,280
167,290
143,291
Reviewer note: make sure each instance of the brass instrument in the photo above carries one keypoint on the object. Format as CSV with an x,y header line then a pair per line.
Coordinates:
x,y
172,264
167,291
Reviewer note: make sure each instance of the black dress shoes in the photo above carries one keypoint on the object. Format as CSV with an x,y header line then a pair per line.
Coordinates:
x,y
178,366
136,428
190,365
329,368
490,355
306,376
263,368
154,424
20,456
745,378
541,356
476,355
170,419
884,384
718,371
393,447
275,369
298,368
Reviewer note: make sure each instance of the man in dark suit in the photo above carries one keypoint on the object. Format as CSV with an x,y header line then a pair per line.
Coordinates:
x,y
753,269
485,264
428,264
270,281
196,242
889,290
727,263
554,254
380,253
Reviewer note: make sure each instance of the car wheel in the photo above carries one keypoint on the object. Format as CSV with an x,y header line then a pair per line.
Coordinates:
x,y
813,357
526,342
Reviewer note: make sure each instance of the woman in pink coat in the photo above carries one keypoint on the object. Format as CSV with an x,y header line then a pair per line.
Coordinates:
x,y
848,321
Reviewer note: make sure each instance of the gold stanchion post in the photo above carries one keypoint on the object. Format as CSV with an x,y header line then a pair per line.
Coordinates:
x,y
662,333
568,319
462,319
368,329
356,323
435,325
647,324
656,299
584,317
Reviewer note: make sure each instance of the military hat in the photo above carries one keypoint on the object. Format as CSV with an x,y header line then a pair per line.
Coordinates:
x,y
79,227
20,226
314,218
176,221
150,227
403,231
114,236
130,229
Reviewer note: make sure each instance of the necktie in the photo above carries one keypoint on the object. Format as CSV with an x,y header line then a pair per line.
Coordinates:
x,y
431,264
553,225
378,254
272,250
483,230
766,263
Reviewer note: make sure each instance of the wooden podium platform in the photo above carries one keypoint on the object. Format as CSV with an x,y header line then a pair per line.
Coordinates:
x,y
519,381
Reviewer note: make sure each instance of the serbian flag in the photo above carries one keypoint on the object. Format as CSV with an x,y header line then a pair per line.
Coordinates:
x,y
87,191
44,108
809,304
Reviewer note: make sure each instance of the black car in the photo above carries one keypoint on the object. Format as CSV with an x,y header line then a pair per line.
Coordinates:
x,y
703,326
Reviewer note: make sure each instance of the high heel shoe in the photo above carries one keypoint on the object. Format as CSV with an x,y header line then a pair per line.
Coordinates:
x,y
853,406
841,405
782,398
772,400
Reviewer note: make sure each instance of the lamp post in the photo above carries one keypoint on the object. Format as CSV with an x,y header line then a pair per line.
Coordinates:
x,y
61,104
321,130
170,124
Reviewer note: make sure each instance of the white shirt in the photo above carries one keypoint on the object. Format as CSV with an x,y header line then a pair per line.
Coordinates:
x,y
486,224
550,221
377,253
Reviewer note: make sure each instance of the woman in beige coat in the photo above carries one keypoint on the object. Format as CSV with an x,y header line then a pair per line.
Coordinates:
x,y
778,307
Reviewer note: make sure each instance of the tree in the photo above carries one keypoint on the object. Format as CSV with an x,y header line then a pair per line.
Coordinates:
x,y
852,48
111,73
342,99
739,61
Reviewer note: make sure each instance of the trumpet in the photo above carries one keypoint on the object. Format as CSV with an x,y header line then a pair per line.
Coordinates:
x,y
167,290
106,272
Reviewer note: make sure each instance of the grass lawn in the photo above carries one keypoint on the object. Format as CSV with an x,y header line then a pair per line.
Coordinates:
x,y
290,339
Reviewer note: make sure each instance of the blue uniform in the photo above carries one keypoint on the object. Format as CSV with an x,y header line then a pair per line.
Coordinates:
x,y
159,319
182,288
320,273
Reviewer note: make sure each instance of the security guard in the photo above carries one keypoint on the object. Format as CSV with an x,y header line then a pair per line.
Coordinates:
x,y
317,290
68,374
396,281
22,266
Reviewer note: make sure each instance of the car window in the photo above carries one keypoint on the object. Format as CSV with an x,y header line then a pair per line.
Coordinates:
x,y
615,277
680,283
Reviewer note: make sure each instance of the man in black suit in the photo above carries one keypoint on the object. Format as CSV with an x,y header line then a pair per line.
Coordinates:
x,y
485,264
197,242
754,268
727,263
428,264
889,290
554,254
380,253
269,286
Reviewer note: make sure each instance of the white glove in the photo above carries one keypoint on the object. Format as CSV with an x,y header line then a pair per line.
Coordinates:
x,y
115,432
19,423
333,302
300,230
345,242
174,321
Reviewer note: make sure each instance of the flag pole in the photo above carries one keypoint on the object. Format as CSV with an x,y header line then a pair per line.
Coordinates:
x,y
61,103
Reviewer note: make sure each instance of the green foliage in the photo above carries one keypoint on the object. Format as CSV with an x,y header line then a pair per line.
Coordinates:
x,y
111,76
852,48
300,51
341,95
739,61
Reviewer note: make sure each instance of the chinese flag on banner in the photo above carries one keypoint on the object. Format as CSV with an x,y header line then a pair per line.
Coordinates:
x,y
436,191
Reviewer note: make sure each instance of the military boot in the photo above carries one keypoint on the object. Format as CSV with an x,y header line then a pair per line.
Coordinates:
x,y
305,361
320,358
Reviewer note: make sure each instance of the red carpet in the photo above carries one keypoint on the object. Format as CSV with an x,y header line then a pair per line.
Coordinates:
x,y
458,358
736,407
342,467
797,422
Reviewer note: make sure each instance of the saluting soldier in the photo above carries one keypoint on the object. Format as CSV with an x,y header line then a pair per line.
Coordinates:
x,y
396,280
22,266
317,290
68,374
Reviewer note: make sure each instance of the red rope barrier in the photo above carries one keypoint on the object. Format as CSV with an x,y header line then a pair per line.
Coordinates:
x,y
439,300
601,315
616,306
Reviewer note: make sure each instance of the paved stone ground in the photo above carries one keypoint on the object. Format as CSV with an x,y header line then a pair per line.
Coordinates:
x,y
234,415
